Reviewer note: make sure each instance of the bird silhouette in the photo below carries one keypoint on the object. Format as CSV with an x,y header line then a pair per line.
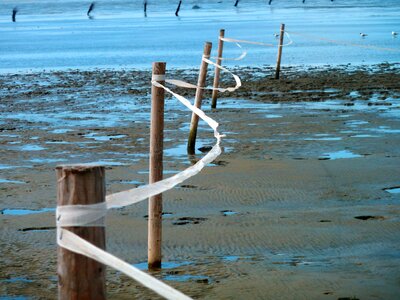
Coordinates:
x,y
363,35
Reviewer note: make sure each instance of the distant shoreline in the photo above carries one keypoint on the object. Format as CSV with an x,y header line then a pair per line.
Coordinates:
x,y
298,83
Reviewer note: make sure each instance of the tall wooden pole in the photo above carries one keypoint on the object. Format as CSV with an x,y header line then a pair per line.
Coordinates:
x,y
156,167
199,96
278,62
80,277
217,70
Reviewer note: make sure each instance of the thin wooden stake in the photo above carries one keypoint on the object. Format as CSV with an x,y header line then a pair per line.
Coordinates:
x,y
278,62
217,70
80,277
14,14
178,8
199,96
156,167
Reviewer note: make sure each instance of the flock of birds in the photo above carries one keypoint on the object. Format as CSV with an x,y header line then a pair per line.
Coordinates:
x,y
93,4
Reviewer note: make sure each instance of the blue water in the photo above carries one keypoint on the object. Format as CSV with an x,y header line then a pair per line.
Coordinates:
x,y
14,298
58,35
16,279
394,190
341,155
2,180
229,213
23,212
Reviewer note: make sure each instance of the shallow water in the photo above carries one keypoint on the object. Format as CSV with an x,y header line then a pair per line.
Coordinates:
x,y
11,181
393,190
23,212
340,155
58,34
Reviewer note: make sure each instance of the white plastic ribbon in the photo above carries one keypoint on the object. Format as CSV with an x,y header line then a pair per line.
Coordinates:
x,y
92,215
245,42
156,77
256,43
74,243
244,52
81,215
184,84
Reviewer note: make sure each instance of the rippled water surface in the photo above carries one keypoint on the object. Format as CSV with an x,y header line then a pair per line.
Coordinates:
x,y
59,35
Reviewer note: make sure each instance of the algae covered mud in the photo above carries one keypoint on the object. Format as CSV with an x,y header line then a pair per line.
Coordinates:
x,y
302,204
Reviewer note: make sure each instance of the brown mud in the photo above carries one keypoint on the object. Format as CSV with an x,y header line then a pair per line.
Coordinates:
x,y
299,206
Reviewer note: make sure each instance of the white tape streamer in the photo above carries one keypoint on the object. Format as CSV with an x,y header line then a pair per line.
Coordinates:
x,y
74,243
245,42
93,215
81,215
244,52
184,84
256,43
74,215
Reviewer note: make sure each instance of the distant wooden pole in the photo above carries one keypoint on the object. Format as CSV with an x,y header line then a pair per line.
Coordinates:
x,y
156,167
14,14
199,96
217,70
178,8
80,277
278,62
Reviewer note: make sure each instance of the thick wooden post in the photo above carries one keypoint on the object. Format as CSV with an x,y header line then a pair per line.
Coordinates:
x,y
278,62
80,277
217,70
156,167
199,96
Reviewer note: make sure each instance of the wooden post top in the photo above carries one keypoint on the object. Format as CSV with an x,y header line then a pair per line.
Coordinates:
x,y
78,167
208,45
159,68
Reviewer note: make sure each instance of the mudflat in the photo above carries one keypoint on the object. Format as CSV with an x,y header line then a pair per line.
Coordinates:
x,y
302,204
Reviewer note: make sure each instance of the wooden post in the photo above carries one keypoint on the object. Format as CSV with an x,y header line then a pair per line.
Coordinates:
x,y
178,8
156,167
199,96
217,70
80,277
278,62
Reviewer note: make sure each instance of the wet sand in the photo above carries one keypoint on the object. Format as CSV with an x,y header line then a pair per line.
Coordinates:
x,y
299,205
